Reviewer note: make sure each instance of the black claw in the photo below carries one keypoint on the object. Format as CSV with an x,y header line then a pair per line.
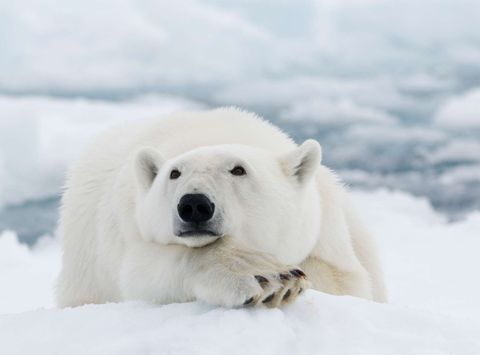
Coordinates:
x,y
294,273
298,273
249,301
300,291
287,295
285,277
301,273
261,279
269,298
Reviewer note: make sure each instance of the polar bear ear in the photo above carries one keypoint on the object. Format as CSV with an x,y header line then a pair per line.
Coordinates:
x,y
303,162
147,165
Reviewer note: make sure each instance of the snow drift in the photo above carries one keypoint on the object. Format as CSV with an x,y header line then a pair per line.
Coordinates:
x,y
315,324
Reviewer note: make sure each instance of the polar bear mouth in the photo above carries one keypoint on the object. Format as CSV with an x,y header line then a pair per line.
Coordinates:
x,y
198,233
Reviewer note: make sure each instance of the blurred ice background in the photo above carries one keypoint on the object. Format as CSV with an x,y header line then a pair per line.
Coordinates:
x,y
390,88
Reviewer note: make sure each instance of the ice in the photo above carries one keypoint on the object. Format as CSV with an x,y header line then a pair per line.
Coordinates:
x,y
143,45
379,92
460,150
336,112
461,111
27,275
316,324
430,268
429,262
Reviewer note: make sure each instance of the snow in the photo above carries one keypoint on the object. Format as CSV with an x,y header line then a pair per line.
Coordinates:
x,y
461,111
376,92
333,112
429,262
461,150
143,45
316,324
430,266
27,275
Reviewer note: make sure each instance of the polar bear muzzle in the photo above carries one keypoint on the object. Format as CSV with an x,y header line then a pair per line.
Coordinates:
x,y
196,212
195,208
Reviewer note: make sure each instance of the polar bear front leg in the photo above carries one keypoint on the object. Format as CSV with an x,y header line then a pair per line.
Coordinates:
x,y
229,276
218,274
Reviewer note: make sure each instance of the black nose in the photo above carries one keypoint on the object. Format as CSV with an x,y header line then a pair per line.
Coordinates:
x,y
195,208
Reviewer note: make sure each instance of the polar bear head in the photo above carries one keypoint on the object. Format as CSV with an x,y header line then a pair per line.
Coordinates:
x,y
227,190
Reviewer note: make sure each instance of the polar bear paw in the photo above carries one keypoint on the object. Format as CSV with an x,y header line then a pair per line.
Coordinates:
x,y
235,277
279,289
230,288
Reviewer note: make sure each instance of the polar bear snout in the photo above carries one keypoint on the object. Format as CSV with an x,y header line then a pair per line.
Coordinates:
x,y
195,208
197,217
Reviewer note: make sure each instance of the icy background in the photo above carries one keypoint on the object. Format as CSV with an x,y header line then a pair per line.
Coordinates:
x,y
390,88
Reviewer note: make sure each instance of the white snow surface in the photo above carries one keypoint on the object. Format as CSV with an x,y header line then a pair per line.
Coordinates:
x,y
461,112
316,324
431,269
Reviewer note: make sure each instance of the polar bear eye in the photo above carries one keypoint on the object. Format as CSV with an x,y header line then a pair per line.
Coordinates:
x,y
238,171
175,174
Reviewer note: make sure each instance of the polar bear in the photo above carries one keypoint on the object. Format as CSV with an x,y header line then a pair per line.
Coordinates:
x,y
218,206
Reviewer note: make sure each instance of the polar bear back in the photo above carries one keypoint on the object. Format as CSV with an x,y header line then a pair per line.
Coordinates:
x,y
178,133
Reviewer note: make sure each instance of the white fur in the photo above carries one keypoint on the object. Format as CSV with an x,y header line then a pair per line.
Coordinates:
x,y
119,206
